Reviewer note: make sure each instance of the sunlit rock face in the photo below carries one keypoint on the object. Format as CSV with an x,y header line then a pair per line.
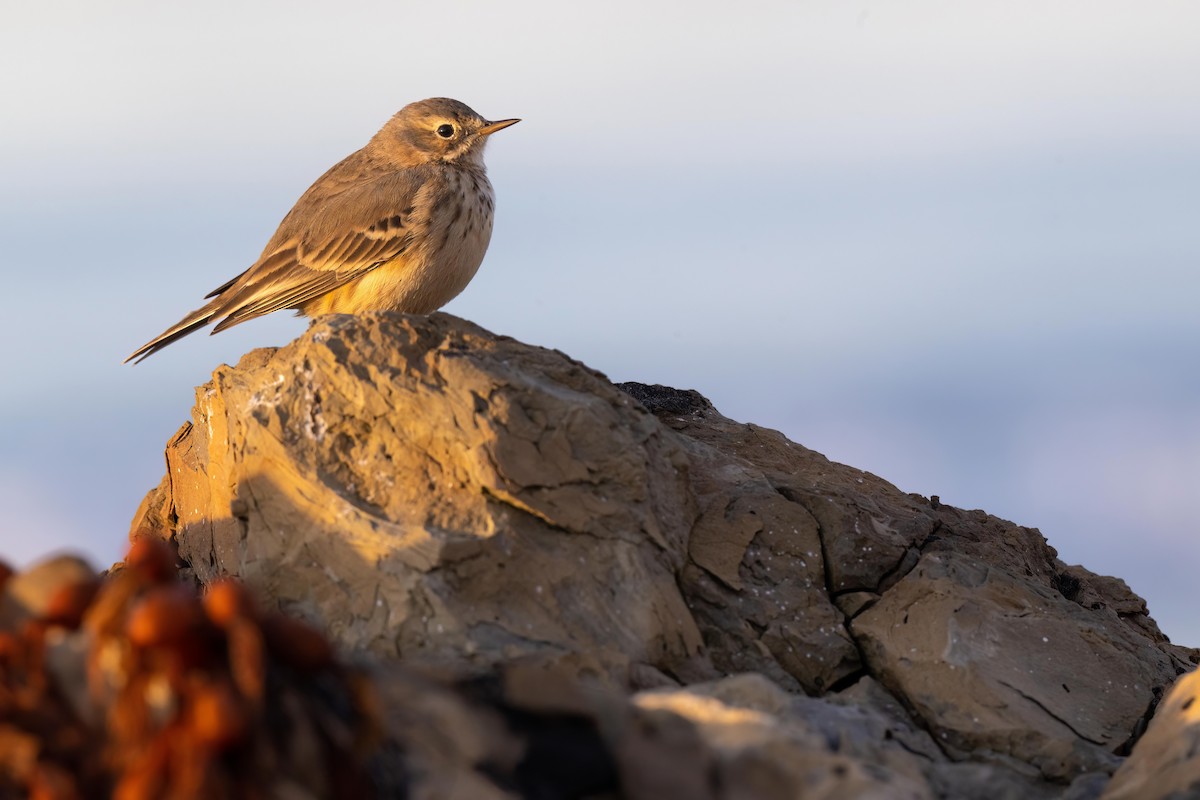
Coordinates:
x,y
1164,762
434,495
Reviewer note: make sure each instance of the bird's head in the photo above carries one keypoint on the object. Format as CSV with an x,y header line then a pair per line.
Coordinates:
x,y
438,129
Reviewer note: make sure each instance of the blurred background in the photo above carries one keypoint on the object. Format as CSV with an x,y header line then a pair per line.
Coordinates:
x,y
952,244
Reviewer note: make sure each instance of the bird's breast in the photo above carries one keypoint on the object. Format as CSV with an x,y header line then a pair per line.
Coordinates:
x,y
450,226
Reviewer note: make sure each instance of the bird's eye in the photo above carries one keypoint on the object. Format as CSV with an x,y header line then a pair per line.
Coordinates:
x,y
445,131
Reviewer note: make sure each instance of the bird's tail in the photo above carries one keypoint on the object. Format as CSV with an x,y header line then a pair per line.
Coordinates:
x,y
192,322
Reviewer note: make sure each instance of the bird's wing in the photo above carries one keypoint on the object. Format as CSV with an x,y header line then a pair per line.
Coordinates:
x,y
300,268
290,274
354,218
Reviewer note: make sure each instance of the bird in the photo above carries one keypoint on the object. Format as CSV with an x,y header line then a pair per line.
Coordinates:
x,y
399,225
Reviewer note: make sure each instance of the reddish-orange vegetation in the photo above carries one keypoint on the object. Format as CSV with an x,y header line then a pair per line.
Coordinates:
x,y
136,686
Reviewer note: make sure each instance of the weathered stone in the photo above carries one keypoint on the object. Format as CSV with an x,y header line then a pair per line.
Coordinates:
x,y
1165,763
433,492
439,496
754,741
994,660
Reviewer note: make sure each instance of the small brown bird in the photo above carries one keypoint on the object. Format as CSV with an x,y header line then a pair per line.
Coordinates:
x,y
400,225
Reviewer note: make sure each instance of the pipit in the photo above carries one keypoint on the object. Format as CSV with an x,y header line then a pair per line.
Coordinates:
x,y
400,225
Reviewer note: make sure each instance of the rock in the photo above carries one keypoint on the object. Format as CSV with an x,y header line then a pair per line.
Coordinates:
x,y
745,737
992,660
961,615
1166,761
437,496
434,492
30,593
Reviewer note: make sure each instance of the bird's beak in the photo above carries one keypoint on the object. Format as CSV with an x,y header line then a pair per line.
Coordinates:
x,y
492,127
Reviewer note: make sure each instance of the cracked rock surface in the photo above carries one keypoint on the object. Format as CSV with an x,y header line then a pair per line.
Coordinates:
x,y
764,622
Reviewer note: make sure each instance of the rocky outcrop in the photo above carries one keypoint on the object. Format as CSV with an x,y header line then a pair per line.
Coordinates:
x,y
436,496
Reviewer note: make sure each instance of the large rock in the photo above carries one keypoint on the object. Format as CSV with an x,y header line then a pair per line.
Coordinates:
x,y
434,494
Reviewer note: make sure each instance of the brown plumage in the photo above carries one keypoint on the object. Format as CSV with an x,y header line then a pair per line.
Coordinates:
x,y
400,225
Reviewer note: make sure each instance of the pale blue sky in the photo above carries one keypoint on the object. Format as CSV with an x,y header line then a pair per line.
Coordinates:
x,y
954,244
